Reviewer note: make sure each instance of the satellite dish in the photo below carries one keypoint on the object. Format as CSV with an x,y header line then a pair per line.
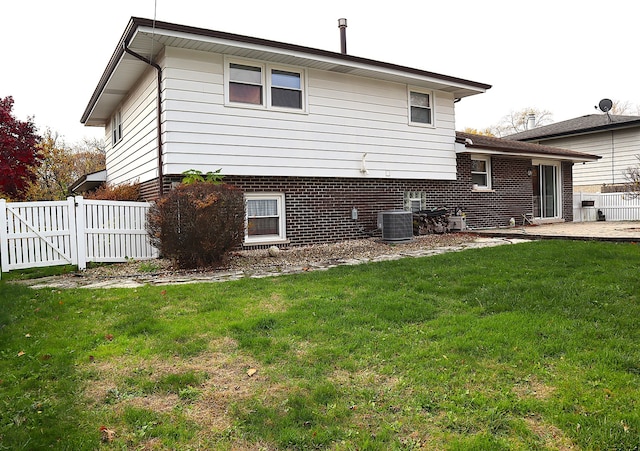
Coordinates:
x,y
605,105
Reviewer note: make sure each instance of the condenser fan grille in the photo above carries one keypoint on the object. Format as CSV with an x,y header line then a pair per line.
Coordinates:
x,y
397,226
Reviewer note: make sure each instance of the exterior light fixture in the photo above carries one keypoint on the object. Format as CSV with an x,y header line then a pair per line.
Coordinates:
x,y
529,172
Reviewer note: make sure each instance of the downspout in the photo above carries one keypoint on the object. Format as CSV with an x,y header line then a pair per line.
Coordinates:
x,y
159,118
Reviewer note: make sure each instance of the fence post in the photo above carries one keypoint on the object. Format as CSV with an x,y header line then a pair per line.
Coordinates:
x,y
81,245
4,244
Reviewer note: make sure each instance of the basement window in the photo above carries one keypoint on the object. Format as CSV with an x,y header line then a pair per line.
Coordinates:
x,y
265,219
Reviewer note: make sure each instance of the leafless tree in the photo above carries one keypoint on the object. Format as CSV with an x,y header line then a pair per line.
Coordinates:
x,y
632,175
518,121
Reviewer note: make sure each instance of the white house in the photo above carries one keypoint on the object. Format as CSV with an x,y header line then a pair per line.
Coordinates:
x,y
615,138
320,142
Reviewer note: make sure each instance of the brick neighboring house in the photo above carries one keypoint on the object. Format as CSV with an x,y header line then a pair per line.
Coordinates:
x,y
616,138
320,142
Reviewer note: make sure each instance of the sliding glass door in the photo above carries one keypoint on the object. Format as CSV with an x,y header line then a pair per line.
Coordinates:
x,y
546,190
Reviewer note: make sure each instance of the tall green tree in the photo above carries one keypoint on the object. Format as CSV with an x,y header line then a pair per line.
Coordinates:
x,y
19,155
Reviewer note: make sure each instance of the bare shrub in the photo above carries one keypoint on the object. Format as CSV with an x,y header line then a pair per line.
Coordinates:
x,y
197,224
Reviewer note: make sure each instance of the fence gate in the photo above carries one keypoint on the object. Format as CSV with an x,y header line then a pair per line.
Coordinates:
x,y
37,234
74,231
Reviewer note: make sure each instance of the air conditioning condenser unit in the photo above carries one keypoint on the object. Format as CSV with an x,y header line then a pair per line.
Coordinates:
x,y
396,225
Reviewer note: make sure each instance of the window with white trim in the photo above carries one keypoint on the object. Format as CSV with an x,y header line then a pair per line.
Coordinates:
x,y
416,204
481,172
116,128
245,84
286,89
262,85
420,108
265,219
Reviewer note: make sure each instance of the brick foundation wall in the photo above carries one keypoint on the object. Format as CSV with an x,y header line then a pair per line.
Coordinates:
x,y
318,209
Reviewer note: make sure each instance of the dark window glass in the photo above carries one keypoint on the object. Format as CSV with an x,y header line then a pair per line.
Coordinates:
x,y
479,179
286,89
245,93
286,98
420,107
245,84
421,115
263,226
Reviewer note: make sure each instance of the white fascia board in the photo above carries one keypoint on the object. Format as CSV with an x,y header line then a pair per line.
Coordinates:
x,y
460,148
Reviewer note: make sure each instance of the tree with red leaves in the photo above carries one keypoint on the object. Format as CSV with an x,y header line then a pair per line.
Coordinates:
x,y
19,155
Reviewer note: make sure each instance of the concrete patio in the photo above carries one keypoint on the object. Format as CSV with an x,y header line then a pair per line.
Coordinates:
x,y
599,230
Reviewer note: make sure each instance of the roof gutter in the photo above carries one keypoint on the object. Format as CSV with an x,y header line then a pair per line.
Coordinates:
x,y
159,114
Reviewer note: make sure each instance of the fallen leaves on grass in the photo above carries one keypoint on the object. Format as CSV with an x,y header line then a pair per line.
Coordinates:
x,y
107,434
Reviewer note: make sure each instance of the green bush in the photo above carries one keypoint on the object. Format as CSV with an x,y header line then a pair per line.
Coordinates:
x,y
197,224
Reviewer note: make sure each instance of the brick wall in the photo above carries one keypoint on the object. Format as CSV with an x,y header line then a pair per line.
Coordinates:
x,y
567,191
318,209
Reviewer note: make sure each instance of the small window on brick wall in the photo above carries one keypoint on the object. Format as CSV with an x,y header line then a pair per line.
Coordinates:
x,y
481,172
265,220
415,201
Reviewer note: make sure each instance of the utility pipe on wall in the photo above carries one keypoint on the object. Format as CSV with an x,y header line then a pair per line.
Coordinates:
x,y
158,105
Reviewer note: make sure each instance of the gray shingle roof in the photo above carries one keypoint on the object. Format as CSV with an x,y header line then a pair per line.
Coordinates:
x,y
505,146
578,125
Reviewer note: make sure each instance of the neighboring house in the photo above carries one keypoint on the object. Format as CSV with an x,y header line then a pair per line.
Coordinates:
x,y
320,142
615,138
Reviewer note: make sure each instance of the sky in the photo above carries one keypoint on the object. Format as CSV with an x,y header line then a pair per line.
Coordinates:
x,y
563,56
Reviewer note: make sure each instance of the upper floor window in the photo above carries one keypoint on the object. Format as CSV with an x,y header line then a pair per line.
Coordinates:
x,y
286,89
264,85
116,128
245,84
420,108
481,172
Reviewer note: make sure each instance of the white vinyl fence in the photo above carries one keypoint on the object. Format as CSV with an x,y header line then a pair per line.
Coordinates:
x,y
74,231
614,206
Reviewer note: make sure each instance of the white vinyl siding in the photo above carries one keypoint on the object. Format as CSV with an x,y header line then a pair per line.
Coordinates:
x,y
347,117
134,158
617,149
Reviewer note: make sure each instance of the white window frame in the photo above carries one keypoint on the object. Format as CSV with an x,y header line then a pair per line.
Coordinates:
x,y
228,80
303,90
267,70
487,172
281,237
415,199
431,108
116,128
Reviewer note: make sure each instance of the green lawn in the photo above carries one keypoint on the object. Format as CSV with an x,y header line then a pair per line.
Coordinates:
x,y
527,346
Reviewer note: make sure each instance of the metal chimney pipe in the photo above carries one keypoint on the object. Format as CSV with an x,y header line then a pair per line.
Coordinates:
x,y
531,121
342,24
